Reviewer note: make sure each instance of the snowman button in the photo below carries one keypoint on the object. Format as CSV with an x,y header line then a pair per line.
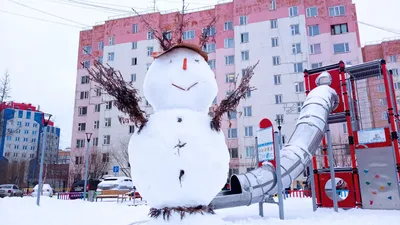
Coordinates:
x,y
179,119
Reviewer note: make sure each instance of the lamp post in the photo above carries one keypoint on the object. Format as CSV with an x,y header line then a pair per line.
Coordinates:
x,y
88,137
46,119
279,121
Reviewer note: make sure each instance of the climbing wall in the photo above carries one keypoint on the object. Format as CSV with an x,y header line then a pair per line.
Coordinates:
x,y
378,178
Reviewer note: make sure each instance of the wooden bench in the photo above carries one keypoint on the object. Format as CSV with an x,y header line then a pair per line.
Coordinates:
x,y
111,194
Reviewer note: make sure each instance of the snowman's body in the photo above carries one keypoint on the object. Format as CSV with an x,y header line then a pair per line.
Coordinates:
x,y
180,86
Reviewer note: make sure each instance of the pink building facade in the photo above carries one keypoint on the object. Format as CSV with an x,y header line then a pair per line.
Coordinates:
x,y
285,36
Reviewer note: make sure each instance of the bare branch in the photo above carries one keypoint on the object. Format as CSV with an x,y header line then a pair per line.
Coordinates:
x,y
232,101
204,37
5,87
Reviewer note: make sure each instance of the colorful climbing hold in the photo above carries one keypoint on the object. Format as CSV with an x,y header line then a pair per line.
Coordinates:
x,y
381,188
374,192
390,197
389,183
371,202
377,176
365,171
367,182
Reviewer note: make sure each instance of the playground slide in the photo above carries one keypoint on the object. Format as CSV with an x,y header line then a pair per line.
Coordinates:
x,y
259,184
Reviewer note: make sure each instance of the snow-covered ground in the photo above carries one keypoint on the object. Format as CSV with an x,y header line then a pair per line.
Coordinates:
x,y
23,211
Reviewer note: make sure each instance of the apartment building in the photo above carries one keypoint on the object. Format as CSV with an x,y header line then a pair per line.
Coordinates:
x,y
389,50
286,37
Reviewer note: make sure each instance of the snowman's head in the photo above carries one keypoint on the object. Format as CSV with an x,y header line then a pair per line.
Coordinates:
x,y
180,78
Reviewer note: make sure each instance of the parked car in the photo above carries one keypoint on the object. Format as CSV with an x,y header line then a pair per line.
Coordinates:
x,y
116,183
10,190
47,190
78,186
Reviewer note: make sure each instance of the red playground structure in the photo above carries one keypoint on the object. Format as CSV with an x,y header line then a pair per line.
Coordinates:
x,y
372,181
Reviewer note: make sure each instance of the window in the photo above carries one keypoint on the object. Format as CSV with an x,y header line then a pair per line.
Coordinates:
x,y
344,128
295,29
337,10
339,29
212,63
17,138
393,58
131,129
274,24
248,93
95,142
384,116
82,111
229,43
232,133
313,30
316,65
100,45
110,56
111,41
230,60
209,47
395,72
228,25
234,153
106,139
382,101
133,77
81,126
87,50
25,139
97,92
299,106
274,42
86,64
381,88
105,157
272,5
244,72
277,79
250,152
148,66
280,117
167,35
248,131
243,20
293,11
209,31
296,48
298,67
276,60
150,35
134,28
28,115
84,95
84,79
245,55
26,131
80,143
299,86
312,12
134,61
96,124
232,115
97,108
20,115
341,48
134,45
248,111
278,99
315,49
109,105
244,37
187,35
27,124
150,51
214,101
33,140
107,122
100,59
230,78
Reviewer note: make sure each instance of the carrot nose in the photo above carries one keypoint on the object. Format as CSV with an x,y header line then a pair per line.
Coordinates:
x,y
184,64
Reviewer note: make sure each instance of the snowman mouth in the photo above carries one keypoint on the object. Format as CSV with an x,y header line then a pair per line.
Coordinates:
x,y
185,89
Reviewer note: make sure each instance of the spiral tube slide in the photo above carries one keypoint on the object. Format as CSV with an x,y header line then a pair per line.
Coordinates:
x,y
257,185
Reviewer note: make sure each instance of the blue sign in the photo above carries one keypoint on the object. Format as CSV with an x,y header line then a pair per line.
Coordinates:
x,y
116,169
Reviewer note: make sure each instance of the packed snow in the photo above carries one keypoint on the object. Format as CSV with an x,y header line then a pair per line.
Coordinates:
x,y
19,211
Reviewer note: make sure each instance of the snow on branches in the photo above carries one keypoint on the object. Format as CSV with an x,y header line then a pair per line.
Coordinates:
x,y
126,96
182,211
230,103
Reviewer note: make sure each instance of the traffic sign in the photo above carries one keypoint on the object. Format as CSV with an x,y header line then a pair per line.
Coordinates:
x,y
116,169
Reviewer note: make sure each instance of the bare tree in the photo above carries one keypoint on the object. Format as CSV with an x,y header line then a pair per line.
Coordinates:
x,y
5,90
77,165
121,155
98,165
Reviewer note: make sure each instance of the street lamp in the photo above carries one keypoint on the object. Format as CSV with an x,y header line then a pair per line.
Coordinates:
x,y
279,121
46,119
88,137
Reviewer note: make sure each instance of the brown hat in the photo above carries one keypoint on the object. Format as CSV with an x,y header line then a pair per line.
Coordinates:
x,y
183,45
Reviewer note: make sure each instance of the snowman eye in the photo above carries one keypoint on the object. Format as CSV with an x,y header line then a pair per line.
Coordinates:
x,y
196,60
170,61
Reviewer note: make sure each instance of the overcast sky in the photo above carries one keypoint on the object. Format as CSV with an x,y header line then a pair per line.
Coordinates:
x,y
41,57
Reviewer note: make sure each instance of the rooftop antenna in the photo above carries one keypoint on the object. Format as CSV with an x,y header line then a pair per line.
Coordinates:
x,y
183,6
154,5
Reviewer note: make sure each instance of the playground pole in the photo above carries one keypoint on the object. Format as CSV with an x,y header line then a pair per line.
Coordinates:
x,y
313,192
279,174
260,204
332,170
